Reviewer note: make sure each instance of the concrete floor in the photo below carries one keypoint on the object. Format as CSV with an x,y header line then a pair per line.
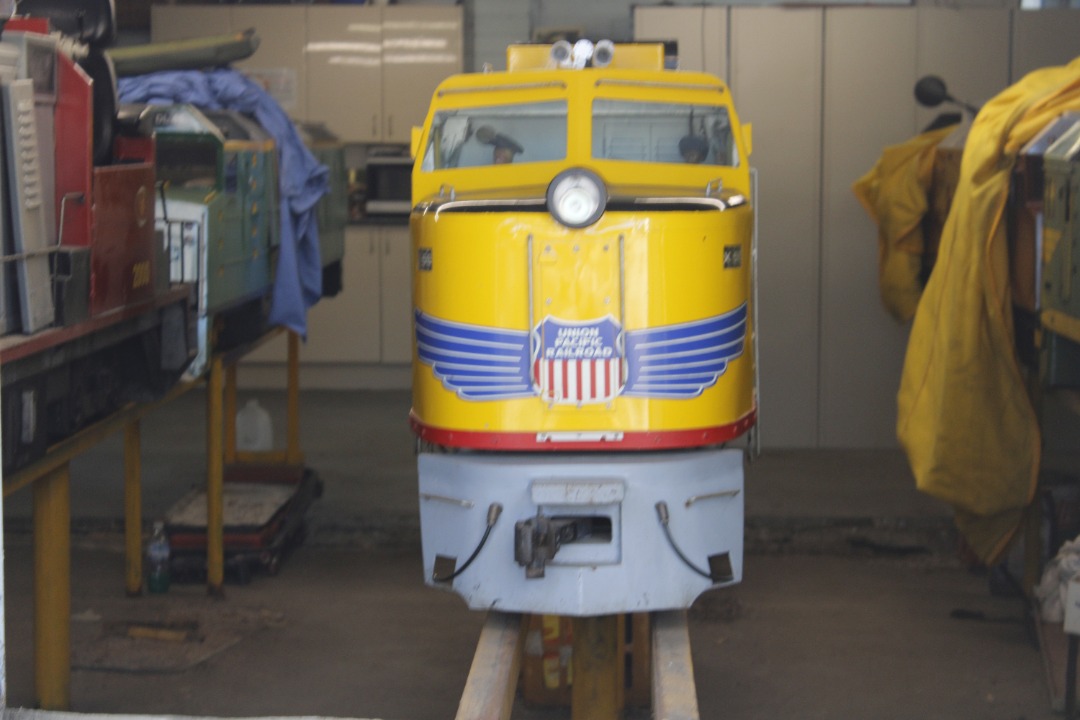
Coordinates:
x,y
845,610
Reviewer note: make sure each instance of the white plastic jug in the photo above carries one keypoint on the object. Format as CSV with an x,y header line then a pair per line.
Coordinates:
x,y
254,428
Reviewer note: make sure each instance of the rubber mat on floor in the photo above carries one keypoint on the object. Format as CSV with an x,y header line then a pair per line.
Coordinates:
x,y
165,634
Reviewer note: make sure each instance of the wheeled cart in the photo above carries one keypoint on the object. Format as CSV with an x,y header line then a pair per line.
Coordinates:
x,y
264,511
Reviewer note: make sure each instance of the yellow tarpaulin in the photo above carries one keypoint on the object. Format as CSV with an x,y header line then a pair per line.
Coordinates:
x,y
965,419
894,193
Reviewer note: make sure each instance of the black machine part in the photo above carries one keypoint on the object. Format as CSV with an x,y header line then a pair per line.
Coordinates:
x,y
538,539
92,22
99,67
930,91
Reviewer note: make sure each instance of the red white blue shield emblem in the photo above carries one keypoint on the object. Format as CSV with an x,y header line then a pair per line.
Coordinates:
x,y
578,363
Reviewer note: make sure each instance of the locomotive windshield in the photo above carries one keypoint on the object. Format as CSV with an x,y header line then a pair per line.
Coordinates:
x,y
662,133
497,134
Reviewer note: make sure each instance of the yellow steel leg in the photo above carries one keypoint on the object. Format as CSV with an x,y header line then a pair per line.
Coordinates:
x,y
596,693
133,574
292,449
52,589
230,414
215,480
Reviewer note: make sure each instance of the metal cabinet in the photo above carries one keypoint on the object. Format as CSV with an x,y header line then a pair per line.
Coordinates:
x,y
371,70
367,71
422,46
370,321
344,70
395,295
345,328
279,62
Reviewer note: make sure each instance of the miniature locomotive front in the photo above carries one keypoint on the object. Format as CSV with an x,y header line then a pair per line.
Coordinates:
x,y
583,333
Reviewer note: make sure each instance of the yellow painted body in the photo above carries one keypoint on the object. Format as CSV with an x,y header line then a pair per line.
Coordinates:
x,y
642,267
672,276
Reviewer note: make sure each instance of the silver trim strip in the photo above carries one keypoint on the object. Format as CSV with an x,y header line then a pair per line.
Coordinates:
x,y
708,496
754,313
496,88
597,436
731,201
531,299
445,499
660,84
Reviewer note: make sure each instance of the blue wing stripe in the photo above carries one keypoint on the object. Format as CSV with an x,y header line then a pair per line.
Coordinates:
x,y
452,372
722,353
462,353
689,389
660,376
449,343
711,365
477,363
489,385
466,359
681,361
460,331
697,328
494,394
689,347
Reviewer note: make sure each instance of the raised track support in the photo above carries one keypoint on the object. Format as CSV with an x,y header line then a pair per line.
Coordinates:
x,y
597,690
493,677
674,692
496,667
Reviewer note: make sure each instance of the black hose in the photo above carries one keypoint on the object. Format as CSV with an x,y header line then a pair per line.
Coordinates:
x,y
662,513
494,510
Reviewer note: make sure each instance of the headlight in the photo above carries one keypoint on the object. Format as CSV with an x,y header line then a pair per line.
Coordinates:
x,y
576,197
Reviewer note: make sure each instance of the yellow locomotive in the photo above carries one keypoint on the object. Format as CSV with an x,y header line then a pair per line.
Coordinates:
x,y
582,243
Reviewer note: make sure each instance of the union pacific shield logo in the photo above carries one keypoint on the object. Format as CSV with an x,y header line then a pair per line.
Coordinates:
x,y
578,363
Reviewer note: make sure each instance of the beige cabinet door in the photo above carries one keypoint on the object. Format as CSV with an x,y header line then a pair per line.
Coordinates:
x,y
182,22
345,328
396,277
344,70
422,46
278,64
682,24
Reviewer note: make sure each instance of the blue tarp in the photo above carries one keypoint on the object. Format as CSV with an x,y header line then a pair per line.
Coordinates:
x,y
303,180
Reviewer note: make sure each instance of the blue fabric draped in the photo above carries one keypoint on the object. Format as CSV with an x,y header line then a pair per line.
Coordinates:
x,y
302,179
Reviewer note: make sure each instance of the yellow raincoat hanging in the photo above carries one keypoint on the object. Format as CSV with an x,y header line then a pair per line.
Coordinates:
x,y
965,418
894,194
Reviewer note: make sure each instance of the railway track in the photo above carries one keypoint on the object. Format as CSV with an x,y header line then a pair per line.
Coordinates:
x,y
493,678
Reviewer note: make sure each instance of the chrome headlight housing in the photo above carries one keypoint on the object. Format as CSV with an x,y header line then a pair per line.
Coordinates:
x,y
577,197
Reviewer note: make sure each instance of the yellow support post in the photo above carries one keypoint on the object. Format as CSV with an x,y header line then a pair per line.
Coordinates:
x,y
596,693
52,589
230,414
292,421
133,569
215,482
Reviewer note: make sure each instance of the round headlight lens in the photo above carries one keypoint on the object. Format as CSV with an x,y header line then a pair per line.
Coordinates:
x,y
576,197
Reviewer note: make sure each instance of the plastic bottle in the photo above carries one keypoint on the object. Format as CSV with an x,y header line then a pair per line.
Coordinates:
x,y
157,560
254,429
